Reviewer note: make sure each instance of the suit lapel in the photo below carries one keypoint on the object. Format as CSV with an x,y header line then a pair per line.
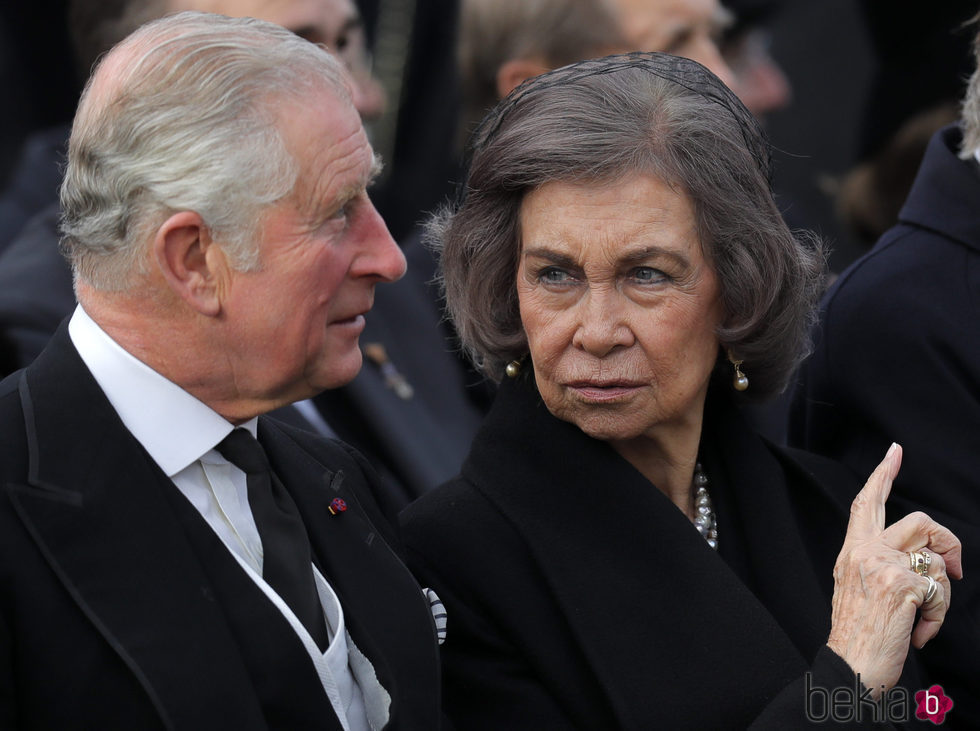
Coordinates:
x,y
633,578
94,505
383,606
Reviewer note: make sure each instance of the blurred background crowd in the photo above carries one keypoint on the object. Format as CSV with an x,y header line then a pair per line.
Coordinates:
x,y
850,90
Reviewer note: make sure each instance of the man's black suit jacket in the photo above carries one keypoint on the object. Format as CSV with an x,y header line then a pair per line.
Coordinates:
x,y
110,619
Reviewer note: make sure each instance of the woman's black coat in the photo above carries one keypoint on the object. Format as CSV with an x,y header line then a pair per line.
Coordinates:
x,y
579,596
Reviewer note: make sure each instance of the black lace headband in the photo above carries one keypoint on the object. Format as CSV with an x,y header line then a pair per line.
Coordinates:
x,y
682,71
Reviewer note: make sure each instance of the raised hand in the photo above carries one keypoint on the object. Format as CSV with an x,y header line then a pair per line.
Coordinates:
x,y
876,591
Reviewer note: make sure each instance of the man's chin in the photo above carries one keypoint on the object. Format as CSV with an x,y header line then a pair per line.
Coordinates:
x,y
336,372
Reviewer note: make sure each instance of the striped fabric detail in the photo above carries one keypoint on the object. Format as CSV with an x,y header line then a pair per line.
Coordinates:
x,y
438,613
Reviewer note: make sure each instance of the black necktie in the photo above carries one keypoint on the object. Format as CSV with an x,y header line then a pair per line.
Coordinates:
x,y
286,561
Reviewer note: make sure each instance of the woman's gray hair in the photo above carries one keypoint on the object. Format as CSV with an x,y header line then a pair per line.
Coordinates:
x,y
182,115
600,121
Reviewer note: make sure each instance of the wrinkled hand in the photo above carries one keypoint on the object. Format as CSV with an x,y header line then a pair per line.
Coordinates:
x,y
876,594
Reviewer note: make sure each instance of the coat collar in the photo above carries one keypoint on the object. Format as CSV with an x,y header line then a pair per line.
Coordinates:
x,y
948,184
635,580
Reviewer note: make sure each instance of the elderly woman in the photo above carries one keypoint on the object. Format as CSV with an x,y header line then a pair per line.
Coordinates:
x,y
619,551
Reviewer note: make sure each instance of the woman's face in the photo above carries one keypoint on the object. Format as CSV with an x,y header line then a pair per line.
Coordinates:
x,y
619,305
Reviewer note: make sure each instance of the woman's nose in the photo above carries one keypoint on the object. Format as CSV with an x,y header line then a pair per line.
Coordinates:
x,y
602,325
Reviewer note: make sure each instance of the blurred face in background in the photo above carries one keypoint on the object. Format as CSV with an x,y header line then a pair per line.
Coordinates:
x,y
757,79
689,28
334,23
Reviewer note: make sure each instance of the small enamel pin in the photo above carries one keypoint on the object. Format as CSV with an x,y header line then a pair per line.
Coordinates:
x,y
337,505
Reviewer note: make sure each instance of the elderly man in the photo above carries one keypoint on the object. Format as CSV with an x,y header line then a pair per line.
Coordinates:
x,y
159,566
408,410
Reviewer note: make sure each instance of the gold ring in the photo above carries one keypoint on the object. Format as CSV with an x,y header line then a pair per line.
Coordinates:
x,y
919,562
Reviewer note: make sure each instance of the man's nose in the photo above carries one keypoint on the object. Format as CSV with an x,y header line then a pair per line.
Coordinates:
x,y
380,256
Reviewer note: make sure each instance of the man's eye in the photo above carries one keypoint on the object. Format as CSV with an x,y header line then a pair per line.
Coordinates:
x,y
338,217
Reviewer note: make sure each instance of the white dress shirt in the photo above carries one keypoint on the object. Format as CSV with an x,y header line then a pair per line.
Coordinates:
x,y
154,410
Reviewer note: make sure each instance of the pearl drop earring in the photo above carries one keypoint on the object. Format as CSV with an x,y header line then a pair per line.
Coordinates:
x,y
740,381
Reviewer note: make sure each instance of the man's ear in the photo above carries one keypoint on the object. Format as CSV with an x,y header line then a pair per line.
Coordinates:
x,y
514,72
191,263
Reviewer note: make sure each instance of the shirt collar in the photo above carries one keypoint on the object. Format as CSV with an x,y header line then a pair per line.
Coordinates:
x,y
173,426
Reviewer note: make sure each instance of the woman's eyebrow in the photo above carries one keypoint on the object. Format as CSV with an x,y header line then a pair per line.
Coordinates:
x,y
555,257
638,256
629,258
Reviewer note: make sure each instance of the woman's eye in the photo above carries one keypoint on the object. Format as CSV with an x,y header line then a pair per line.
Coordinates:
x,y
647,275
554,275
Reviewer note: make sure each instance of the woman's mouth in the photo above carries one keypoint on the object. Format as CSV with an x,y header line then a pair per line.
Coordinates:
x,y
604,391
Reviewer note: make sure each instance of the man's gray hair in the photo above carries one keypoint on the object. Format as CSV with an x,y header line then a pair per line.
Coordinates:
x,y
185,119
601,121
970,117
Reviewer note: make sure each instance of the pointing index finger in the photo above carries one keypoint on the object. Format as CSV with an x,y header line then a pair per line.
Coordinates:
x,y
868,509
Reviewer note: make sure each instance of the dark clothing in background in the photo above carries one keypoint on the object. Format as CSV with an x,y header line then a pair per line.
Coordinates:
x,y
34,181
898,359
414,45
35,288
